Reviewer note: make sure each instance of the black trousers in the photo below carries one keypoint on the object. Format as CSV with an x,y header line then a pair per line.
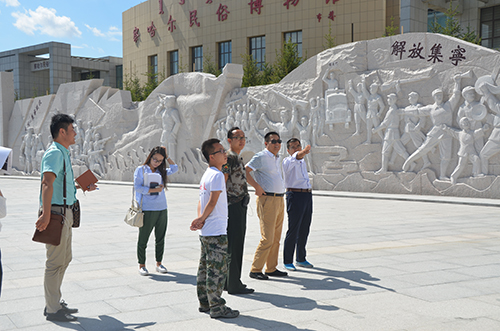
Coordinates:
x,y
236,229
299,208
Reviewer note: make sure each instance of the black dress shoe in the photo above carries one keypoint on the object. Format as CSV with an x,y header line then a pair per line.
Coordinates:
x,y
242,290
61,316
277,273
64,307
258,275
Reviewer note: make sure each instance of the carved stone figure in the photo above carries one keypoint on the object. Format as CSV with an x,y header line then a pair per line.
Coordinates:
x,y
391,137
414,125
359,105
284,128
331,82
492,146
96,156
375,107
80,134
441,113
318,117
171,123
467,151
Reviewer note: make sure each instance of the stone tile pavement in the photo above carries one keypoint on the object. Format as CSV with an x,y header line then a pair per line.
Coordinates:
x,y
382,262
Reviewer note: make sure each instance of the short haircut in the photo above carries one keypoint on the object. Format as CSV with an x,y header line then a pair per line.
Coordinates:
x,y
59,121
268,135
230,132
291,141
207,147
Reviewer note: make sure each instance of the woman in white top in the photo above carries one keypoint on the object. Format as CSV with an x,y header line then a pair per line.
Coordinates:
x,y
149,184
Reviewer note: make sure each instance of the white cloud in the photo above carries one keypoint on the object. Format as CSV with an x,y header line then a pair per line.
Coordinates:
x,y
113,34
11,3
47,22
95,31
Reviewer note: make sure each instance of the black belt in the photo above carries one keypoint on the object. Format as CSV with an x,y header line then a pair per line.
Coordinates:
x,y
299,190
55,205
269,194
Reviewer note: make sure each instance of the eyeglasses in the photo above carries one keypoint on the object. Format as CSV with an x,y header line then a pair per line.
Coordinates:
x,y
156,160
276,141
222,151
239,138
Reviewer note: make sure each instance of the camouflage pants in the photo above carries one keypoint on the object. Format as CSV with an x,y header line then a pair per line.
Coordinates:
x,y
212,272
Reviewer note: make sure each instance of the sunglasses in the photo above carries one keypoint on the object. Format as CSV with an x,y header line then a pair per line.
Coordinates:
x,y
276,141
239,138
222,151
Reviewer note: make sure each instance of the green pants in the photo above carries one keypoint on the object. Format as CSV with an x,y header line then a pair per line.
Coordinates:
x,y
212,271
158,221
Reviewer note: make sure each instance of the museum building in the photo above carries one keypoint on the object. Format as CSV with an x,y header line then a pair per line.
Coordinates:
x,y
40,69
171,36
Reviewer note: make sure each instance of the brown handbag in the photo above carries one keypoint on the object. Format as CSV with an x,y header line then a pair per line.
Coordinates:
x,y
52,234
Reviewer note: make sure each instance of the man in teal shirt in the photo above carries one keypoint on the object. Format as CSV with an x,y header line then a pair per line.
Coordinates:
x,y
55,160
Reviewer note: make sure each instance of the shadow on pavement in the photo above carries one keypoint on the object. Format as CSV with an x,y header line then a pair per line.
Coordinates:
x,y
256,323
172,276
283,301
104,322
332,281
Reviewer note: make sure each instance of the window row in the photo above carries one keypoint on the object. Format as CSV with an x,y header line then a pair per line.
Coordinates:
x,y
256,48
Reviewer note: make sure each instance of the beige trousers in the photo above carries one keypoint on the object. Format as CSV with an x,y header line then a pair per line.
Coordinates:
x,y
58,259
271,211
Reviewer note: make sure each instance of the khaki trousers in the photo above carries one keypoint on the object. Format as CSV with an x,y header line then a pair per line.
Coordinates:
x,y
58,259
271,211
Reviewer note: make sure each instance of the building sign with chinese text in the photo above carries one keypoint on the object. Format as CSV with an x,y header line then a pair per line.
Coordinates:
x,y
40,65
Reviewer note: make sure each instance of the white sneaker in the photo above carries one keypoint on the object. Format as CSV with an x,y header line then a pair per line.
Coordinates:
x,y
143,271
161,269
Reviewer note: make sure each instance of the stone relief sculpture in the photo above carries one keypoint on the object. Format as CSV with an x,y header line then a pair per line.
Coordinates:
x,y
391,138
171,123
487,88
376,106
406,87
466,137
359,105
336,108
80,134
414,124
440,113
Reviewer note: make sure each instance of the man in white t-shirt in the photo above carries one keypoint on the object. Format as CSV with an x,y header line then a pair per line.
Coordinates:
x,y
212,221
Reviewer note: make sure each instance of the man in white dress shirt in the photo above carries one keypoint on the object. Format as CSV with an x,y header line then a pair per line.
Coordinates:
x,y
298,204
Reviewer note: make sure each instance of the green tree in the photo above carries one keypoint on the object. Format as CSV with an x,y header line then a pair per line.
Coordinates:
x,y
287,59
329,38
132,83
391,30
209,65
251,71
453,28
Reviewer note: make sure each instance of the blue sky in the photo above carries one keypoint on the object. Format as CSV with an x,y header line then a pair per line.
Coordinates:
x,y
92,27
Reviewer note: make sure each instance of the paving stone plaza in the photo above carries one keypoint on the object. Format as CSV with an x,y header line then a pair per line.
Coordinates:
x,y
382,262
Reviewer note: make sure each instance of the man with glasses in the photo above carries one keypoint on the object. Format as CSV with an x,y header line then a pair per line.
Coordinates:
x,y
298,204
237,199
270,189
212,221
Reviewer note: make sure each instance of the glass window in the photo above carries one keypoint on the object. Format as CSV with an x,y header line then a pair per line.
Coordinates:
x,y
490,27
224,54
153,67
174,62
119,76
296,38
258,50
197,59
